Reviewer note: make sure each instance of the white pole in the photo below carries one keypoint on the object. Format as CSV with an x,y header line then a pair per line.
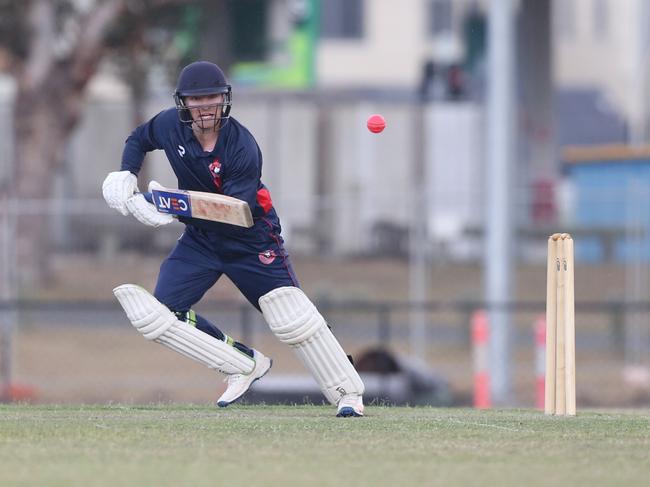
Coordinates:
x,y
8,316
639,91
7,295
366,144
499,256
418,239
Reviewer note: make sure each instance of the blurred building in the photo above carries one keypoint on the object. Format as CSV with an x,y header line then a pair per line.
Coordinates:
x,y
321,67
601,53
358,43
379,43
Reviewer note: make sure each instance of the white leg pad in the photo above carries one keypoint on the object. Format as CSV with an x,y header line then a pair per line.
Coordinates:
x,y
154,320
295,321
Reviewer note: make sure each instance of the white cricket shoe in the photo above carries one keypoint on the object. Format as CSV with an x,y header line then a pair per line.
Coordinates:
x,y
350,405
238,384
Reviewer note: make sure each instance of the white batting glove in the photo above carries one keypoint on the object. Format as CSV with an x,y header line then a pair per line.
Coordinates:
x,y
154,185
145,212
118,187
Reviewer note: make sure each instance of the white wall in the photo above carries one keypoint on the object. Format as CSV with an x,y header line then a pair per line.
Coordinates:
x,y
371,174
286,134
610,63
455,175
389,54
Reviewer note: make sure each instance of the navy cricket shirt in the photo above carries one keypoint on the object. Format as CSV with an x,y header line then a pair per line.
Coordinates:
x,y
233,168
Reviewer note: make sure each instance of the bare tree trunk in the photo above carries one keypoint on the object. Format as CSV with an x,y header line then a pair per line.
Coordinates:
x,y
47,109
40,143
51,87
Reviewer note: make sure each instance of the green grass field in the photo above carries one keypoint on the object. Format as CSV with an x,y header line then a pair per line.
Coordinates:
x,y
307,446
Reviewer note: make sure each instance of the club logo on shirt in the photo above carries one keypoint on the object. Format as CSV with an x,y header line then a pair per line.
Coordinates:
x,y
215,171
267,257
181,150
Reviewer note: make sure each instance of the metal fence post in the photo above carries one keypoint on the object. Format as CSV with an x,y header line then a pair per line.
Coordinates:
x,y
8,316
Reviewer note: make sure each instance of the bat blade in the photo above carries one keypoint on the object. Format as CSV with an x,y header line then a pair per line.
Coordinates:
x,y
198,204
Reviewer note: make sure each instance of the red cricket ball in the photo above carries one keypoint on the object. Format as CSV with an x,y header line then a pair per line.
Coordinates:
x,y
376,123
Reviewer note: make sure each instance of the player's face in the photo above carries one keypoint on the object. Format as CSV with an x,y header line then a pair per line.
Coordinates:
x,y
205,110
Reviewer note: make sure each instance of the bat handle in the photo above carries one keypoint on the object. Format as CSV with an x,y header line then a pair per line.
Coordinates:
x,y
148,196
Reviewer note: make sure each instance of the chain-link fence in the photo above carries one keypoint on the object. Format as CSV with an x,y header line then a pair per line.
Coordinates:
x,y
68,350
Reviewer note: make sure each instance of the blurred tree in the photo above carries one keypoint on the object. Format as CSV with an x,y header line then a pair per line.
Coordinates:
x,y
53,49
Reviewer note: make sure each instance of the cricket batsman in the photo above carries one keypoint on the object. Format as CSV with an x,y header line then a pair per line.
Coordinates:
x,y
210,151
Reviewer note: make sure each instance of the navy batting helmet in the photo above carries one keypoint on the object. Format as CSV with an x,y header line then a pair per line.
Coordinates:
x,y
202,78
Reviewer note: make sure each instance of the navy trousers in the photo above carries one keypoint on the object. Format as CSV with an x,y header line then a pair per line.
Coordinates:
x,y
201,257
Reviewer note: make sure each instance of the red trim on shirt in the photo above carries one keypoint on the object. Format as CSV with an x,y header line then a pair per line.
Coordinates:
x,y
264,199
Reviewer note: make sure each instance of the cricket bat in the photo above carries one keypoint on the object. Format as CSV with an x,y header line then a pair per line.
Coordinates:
x,y
198,204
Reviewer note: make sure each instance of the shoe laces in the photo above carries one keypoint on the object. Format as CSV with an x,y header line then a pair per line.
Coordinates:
x,y
233,379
